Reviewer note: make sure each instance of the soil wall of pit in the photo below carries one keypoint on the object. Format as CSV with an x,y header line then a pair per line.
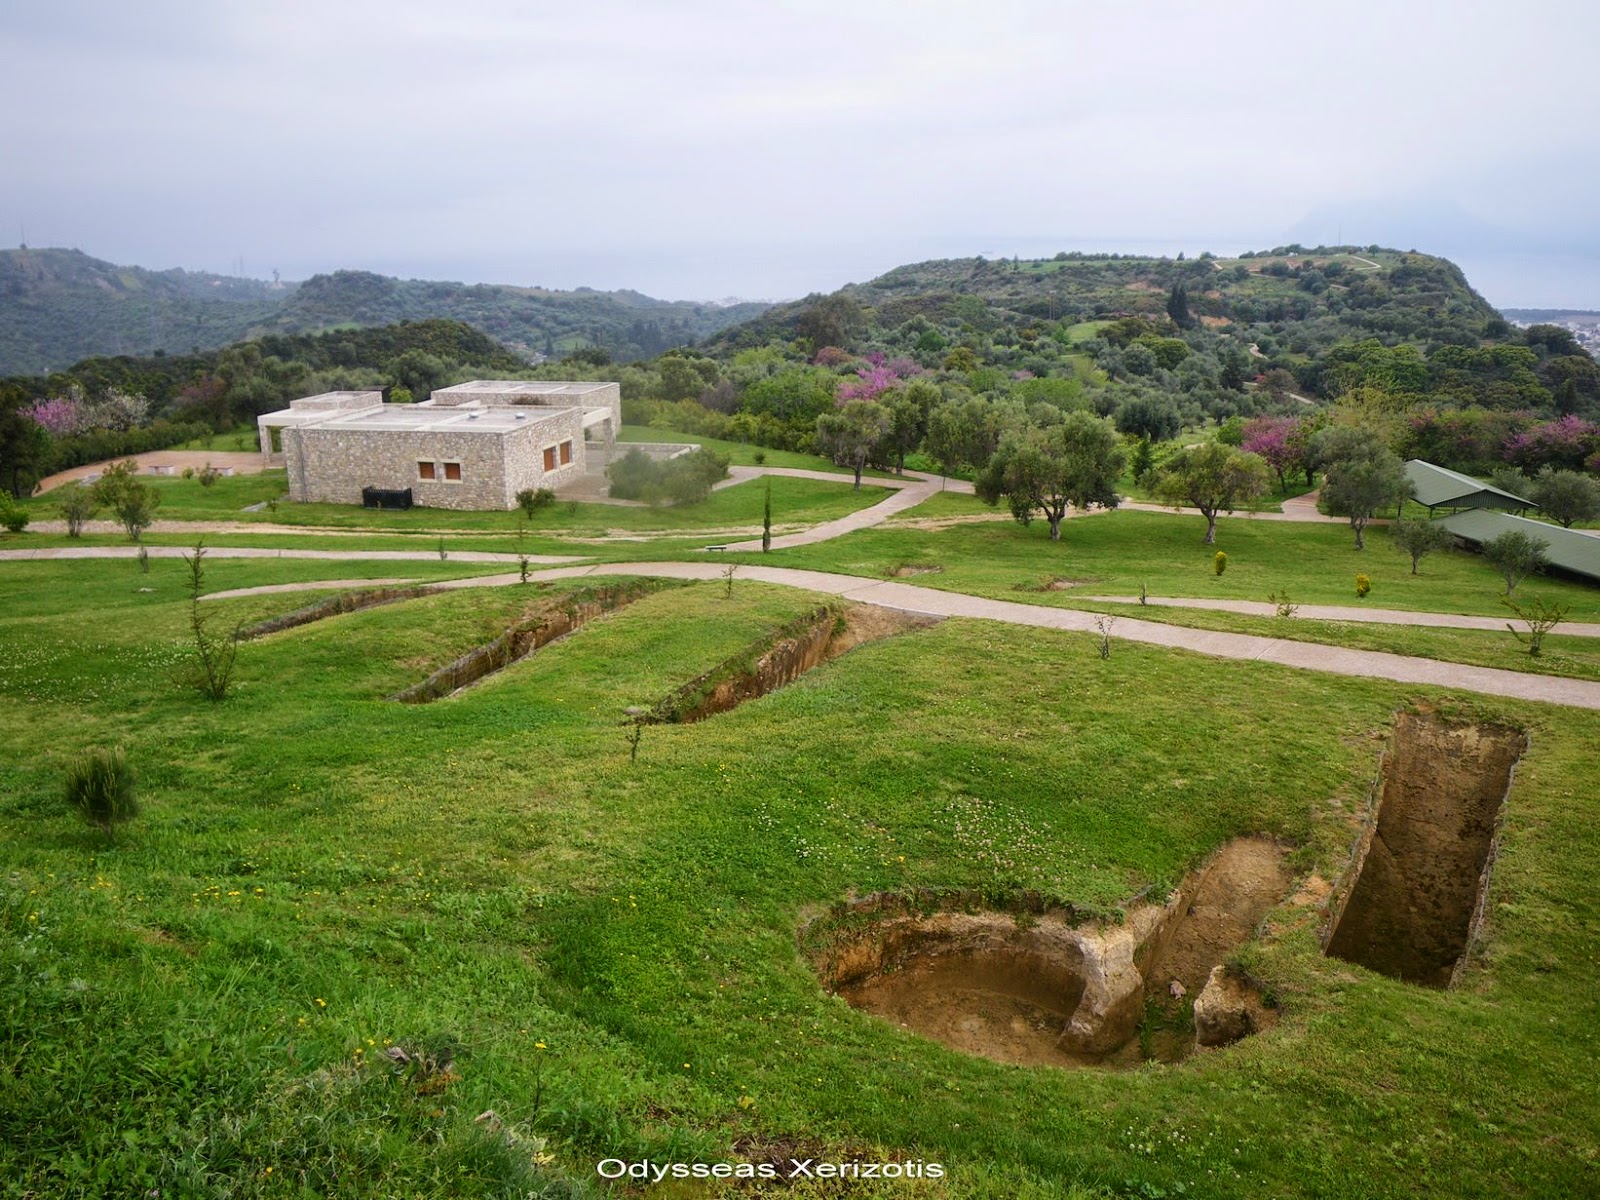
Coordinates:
x,y
1423,861
1038,987
333,606
800,646
522,639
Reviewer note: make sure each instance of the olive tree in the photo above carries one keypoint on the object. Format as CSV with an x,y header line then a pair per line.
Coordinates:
x,y
850,433
1361,476
1419,539
1213,478
1516,555
1566,496
1074,463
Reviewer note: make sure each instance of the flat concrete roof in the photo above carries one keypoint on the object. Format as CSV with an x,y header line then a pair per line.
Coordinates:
x,y
423,418
560,388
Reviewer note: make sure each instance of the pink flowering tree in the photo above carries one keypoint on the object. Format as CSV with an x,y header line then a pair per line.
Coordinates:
x,y
58,416
1564,444
870,384
1273,439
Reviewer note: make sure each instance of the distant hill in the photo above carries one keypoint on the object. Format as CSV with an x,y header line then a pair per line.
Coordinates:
x,y
529,320
58,307
1305,299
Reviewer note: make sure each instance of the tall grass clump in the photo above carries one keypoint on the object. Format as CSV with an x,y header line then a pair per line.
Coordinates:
x,y
101,786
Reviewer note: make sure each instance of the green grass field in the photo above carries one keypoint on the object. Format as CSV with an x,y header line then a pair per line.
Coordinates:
x,y
606,954
1113,553
805,501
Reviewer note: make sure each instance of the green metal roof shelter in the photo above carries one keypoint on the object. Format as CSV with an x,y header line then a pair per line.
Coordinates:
x,y
1569,550
1438,487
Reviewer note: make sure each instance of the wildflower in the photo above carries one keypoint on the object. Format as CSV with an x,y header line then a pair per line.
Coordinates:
x,y
320,1002
541,1046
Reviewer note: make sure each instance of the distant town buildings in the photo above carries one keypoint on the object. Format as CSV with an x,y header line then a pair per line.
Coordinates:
x,y
1585,327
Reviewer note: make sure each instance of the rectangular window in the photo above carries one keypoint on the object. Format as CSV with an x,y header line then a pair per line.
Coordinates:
x,y
550,458
566,452
425,471
452,471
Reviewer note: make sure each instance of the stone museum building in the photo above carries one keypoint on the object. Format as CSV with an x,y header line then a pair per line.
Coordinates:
x,y
471,446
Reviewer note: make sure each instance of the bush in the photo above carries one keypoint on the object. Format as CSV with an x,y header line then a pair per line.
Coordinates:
x,y
530,501
13,518
1363,586
77,507
1220,562
686,479
132,501
100,785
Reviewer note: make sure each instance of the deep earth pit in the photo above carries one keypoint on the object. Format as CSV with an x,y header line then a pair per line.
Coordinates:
x,y
1422,863
1036,988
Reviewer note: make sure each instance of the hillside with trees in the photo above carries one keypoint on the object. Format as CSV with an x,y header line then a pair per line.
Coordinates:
x,y
60,306
107,407
1268,349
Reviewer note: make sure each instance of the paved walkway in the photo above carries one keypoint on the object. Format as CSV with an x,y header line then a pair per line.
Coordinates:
x,y
910,490
471,556
1341,612
243,463
1309,656
904,597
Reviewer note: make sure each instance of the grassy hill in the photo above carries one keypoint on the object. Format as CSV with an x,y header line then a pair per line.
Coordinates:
x,y
60,306
1291,299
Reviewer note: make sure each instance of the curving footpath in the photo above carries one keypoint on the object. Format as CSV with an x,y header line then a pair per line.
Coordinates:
x,y
1342,612
1308,656
910,490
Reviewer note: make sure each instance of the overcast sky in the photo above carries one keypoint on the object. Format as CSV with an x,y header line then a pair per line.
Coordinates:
x,y
767,148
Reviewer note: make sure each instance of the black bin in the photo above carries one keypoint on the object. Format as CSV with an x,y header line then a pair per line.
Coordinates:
x,y
372,497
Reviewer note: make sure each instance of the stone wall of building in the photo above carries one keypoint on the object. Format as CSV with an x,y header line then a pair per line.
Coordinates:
x,y
330,465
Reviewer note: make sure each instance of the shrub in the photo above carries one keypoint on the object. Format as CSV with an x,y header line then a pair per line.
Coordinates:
x,y
1363,586
1220,562
77,507
686,479
100,785
208,475
531,501
13,518
132,501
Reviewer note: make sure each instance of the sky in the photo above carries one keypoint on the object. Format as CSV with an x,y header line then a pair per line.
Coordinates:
x,y
701,149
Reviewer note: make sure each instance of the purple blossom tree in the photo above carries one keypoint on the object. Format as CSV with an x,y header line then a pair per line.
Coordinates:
x,y
871,383
1273,439
58,416
1564,444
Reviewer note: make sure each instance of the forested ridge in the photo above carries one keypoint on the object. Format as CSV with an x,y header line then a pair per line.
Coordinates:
x,y
58,307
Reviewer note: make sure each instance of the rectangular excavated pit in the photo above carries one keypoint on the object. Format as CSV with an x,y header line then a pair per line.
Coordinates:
x,y
1423,864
